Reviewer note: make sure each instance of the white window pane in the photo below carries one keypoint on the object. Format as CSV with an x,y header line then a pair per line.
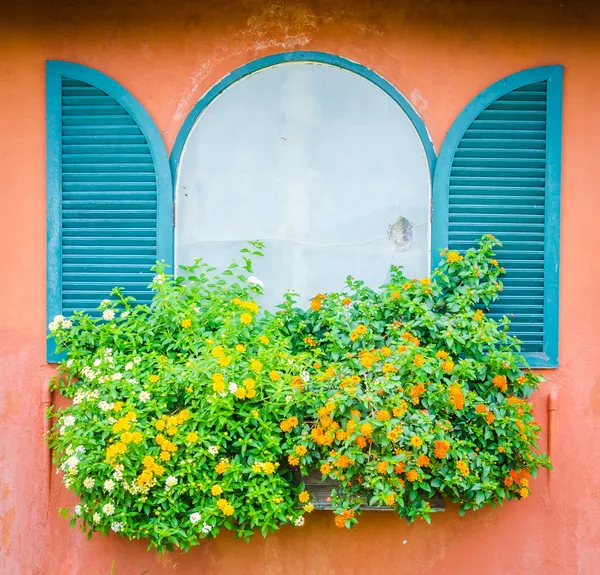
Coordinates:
x,y
317,162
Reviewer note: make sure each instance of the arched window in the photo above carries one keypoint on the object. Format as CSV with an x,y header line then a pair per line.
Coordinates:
x,y
318,157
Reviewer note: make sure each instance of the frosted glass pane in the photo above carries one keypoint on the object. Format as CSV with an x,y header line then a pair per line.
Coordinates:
x,y
317,162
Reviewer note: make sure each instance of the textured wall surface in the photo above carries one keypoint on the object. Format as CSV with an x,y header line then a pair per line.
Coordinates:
x,y
439,54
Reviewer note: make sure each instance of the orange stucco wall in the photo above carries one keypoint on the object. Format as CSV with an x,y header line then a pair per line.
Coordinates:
x,y
439,54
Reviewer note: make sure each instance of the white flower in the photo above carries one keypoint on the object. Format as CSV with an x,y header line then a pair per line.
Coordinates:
x,y
254,281
108,351
232,387
109,485
137,360
89,482
80,449
144,396
159,278
52,326
97,362
68,421
108,314
68,481
112,420
206,528
69,363
109,359
117,376
118,474
194,518
305,376
197,309
96,517
66,323
58,318
103,379
288,398
125,314
105,405
213,449
69,450
132,380
108,509
300,521
78,510
61,430
116,527
72,461
104,302
129,366
170,482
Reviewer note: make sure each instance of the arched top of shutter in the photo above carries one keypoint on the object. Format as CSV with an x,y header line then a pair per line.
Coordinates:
x,y
498,172
109,191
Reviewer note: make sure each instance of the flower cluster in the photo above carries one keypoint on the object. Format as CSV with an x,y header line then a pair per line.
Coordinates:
x,y
201,412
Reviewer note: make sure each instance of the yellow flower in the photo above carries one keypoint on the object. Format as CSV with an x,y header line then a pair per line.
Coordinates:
x,y
239,347
222,503
153,378
246,318
274,376
309,508
301,450
454,257
186,322
361,329
304,496
256,467
255,413
165,455
218,351
240,393
148,461
416,441
222,466
268,468
251,393
118,405
192,437
228,510
216,490
249,383
256,365
354,336
264,339
224,360
137,437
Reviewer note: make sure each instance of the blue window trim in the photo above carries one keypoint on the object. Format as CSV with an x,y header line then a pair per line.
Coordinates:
x,y
55,71
300,56
439,226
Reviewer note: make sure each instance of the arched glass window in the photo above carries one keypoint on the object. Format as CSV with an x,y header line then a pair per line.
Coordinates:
x,y
318,162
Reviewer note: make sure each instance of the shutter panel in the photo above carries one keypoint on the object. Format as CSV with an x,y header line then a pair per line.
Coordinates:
x,y
499,173
109,192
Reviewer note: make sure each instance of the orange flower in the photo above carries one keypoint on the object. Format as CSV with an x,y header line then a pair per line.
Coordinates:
x,y
416,392
399,467
500,382
340,435
342,461
426,282
524,492
395,295
412,475
340,521
310,341
448,366
490,417
419,360
481,408
441,448
508,481
441,354
422,461
293,460
347,301
366,429
462,467
361,441
389,500
383,415
325,468
456,396
317,302
478,315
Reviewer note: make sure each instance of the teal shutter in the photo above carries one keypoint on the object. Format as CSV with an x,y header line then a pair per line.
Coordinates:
x,y
498,172
109,192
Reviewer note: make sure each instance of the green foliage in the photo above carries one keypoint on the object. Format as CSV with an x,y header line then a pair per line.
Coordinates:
x,y
190,415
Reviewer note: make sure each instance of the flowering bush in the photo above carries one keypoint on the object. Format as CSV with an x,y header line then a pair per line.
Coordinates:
x,y
191,415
